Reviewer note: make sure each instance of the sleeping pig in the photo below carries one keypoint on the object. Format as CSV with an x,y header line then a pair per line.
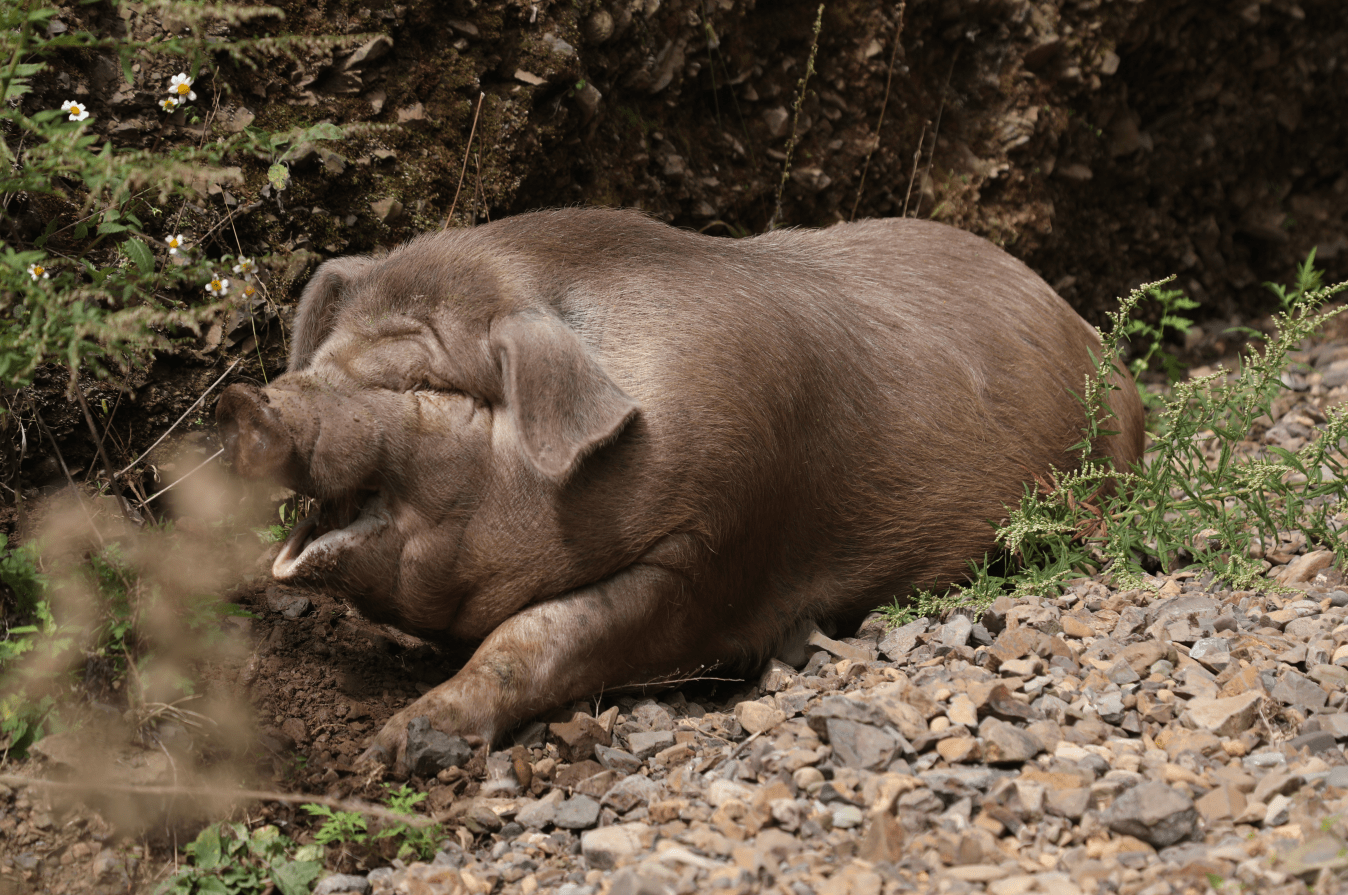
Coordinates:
x,y
609,452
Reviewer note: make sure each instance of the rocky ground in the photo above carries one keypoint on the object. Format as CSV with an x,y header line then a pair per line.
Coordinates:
x,y
1179,738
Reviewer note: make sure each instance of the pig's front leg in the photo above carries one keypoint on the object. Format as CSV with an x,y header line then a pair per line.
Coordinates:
x,y
633,627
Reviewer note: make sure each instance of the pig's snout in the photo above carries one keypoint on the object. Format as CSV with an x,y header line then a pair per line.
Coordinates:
x,y
257,442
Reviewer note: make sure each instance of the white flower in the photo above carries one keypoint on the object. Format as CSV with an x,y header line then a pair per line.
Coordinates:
x,y
175,243
169,104
77,111
38,272
244,268
217,286
248,290
181,86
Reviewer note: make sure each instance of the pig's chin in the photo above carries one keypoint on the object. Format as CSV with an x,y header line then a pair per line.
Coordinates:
x,y
339,525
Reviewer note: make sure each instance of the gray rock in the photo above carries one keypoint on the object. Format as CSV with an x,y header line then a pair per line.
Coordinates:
x,y
296,607
536,815
956,631
653,715
1131,620
1005,743
1154,813
647,743
1337,724
1110,707
847,816
1188,606
342,882
897,643
617,760
1068,803
1306,628
603,848
845,709
1298,691
632,792
860,745
1213,652
430,751
1278,812
1316,741
577,813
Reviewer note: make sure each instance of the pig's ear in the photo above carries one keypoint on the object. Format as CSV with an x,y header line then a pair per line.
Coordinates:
x,y
564,404
322,299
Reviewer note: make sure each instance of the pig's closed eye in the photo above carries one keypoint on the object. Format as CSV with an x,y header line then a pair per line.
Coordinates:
x,y
426,390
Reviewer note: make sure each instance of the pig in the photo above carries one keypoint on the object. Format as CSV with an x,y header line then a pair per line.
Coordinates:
x,y
609,452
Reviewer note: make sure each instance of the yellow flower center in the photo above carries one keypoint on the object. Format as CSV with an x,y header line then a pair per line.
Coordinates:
x,y
184,89
38,271
74,110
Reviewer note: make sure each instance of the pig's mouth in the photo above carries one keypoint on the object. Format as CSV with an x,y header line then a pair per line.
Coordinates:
x,y
339,525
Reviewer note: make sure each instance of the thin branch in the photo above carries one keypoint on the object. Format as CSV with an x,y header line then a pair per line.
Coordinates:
x,y
261,795
184,477
917,157
209,388
74,489
936,132
464,170
884,104
98,444
795,121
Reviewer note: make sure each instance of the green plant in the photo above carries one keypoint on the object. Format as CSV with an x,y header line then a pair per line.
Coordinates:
x,y
27,617
111,277
279,531
346,829
225,859
1149,337
1203,498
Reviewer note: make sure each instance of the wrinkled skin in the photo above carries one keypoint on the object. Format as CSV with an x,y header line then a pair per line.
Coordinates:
x,y
611,452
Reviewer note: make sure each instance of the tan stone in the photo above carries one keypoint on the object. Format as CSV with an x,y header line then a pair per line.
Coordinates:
x,y
1225,717
1246,680
963,711
1054,779
1175,740
1223,802
756,717
1305,567
1075,627
957,749
977,873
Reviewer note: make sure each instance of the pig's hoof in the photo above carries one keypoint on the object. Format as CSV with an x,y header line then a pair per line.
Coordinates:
x,y
376,754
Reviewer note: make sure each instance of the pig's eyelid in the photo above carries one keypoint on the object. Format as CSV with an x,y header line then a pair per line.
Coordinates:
x,y
432,391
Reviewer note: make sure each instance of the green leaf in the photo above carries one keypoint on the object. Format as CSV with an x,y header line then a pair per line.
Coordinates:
x,y
323,131
206,848
295,877
109,227
277,175
140,255
81,230
46,233
210,885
